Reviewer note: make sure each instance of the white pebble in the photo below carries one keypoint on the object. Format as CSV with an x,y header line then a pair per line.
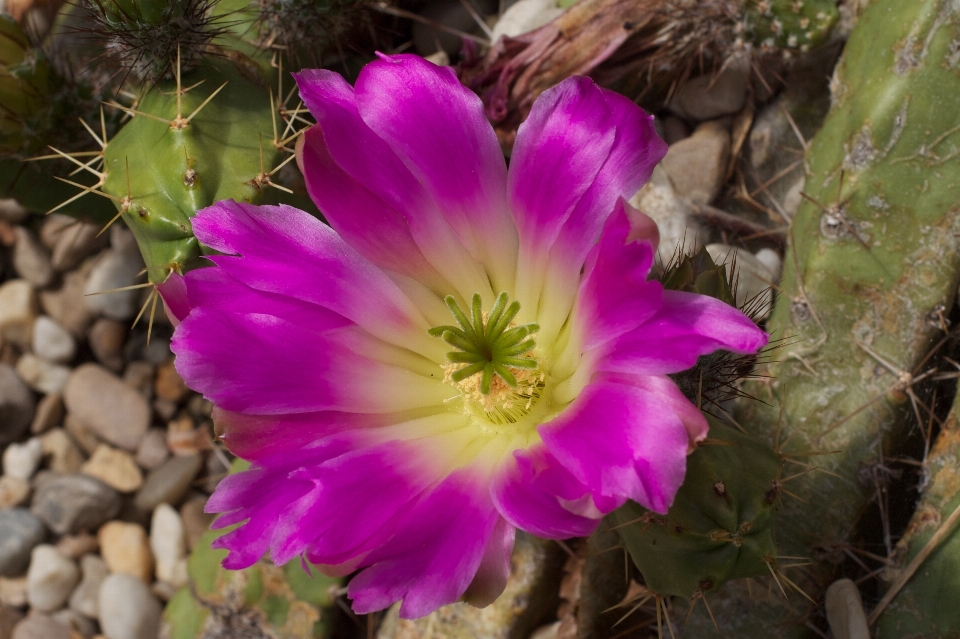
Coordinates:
x,y
21,460
52,342
50,578
128,610
168,541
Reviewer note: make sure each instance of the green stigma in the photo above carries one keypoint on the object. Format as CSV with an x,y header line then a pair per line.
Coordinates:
x,y
488,347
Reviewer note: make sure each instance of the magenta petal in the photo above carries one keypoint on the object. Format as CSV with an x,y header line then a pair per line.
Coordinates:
x,y
530,488
260,497
438,127
686,327
261,364
279,249
615,296
209,288
627,437
372,162
173,292
254,437
435,553
580,149
494,570
360,217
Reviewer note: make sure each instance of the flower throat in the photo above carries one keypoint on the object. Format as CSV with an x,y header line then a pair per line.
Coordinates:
x,y
493,367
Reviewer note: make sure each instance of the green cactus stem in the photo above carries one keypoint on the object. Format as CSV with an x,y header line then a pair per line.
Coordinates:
x,y
184,150
871,254
720,525
919,609
790,24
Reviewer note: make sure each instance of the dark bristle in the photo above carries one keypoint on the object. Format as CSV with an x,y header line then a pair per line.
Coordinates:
x,y
307,30
149,49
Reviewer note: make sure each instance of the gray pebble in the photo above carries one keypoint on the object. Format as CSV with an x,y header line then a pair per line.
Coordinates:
x,y
114,411
40,627
76,502
49,413
86,597
106,339
16,405
168,483
31,260
20,532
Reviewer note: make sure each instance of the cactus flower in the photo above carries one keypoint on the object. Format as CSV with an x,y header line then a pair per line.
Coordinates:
x,y
465,350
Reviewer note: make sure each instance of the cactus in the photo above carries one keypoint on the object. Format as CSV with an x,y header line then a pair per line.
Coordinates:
x,y
867,261
720,525
26,85
183,151
263,601
789,24
918,609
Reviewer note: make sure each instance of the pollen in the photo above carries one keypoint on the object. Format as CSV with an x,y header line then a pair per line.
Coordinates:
x,y
496,367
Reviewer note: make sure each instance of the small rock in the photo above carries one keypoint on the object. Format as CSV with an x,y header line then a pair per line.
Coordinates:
x,y
168,541
18,311
86,597
115,270
53,225
168,483
13,591
696,165
50,579
9,618
128,610
153,449
125,548
195,521
82,434
16,405
66,304
524,16
13,492
21,460
31,260
708,97
115,468
80,625
100,400
107,338
12,211
184,439
73,503
20,532
64,456
845,611
41,627
52,342
169,384
73,243
41,375
158,350
49,413
164,408
76,546
139,375
680,232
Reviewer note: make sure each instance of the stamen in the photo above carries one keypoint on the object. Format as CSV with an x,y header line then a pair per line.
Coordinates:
x,y
488,346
